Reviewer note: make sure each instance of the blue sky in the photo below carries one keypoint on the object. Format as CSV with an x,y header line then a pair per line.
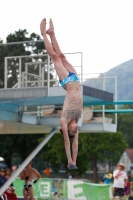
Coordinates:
x,y
101,29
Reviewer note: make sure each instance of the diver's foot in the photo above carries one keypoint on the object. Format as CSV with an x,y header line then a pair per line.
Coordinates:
x,y
51,27
43,26
71,166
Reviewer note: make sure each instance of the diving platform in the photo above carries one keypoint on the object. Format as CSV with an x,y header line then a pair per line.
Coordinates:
x,y
15,119
34,103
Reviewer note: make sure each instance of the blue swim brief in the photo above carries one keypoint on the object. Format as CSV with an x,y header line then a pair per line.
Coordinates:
x,y
70,78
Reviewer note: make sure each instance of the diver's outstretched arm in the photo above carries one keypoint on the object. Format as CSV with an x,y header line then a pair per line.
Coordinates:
x,y
75,148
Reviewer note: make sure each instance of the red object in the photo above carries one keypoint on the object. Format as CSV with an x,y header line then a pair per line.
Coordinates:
x,y
11,195
47,172
127,189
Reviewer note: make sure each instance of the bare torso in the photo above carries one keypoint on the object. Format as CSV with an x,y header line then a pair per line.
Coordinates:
x,y
31,173
30,177
73,102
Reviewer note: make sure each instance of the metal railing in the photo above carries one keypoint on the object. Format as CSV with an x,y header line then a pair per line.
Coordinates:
x,y
102,82
37,66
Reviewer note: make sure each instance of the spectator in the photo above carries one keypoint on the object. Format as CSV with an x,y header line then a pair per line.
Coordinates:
x,y
54,191
30,176
10,190
7,176
47,172
107,178
70,176
7,173
120,181
14,168
2,177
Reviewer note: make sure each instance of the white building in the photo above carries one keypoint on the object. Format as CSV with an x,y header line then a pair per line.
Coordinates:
x,y
127,159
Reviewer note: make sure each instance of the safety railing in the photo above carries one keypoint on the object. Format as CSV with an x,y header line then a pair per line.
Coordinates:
x,y
66,189
70,189
106,83
34,70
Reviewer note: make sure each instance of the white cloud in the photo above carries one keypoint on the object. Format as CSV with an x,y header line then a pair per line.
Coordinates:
x,y
101,29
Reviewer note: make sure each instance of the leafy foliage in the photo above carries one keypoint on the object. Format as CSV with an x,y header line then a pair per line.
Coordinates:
x,y
125,125
23,145
92,146
33,48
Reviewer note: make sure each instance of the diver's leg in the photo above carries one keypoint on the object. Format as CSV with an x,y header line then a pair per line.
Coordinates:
x,y
60,69
57,50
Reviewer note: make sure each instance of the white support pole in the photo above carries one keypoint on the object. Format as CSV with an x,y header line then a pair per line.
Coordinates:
x,y
82,68
48,75
43,75
5,80
40,72
27,161
20,71
23,76
116,100
103,90
26,70
39,78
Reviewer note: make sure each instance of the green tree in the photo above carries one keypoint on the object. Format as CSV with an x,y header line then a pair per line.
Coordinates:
x,y
125,125
93,147
32,48
98,146
6,148
54,153
22,144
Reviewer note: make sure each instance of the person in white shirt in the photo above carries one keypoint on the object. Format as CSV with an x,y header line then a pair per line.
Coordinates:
x,y
120,181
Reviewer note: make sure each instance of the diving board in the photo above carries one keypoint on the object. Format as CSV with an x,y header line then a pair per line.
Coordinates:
x,y
111,111
14,119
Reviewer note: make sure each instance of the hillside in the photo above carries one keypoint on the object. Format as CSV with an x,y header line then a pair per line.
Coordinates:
x,y
124,74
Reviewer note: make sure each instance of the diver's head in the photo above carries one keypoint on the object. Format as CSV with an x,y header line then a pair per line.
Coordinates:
x,y
72,129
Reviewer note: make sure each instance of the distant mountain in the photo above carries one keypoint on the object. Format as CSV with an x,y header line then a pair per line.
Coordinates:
x,y
124,74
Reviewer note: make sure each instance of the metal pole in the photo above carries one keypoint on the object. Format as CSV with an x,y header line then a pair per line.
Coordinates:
x,y
27,161
5,81
43,75
34,56
103,90
26,70
81,68
39,79
23,73
116,100
20,70
13,43
48,75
